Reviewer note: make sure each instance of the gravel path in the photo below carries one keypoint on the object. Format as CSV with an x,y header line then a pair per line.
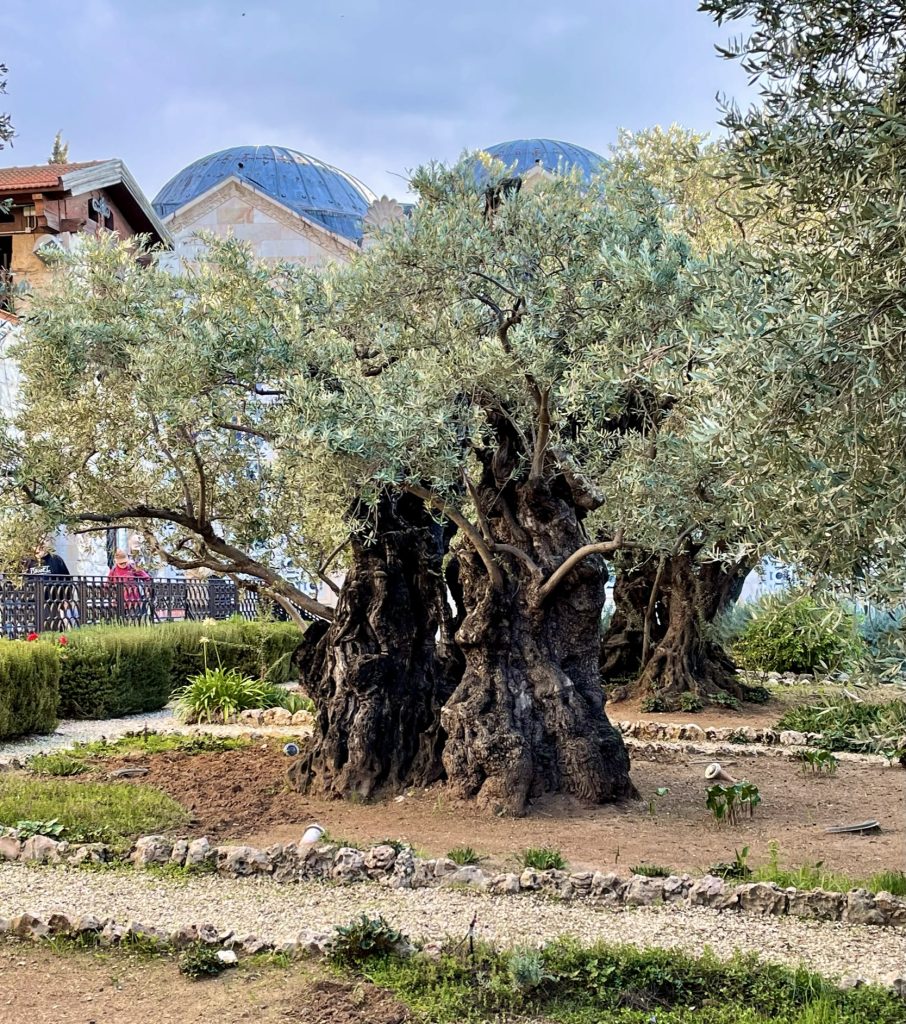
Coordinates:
x,y
279,912
72,731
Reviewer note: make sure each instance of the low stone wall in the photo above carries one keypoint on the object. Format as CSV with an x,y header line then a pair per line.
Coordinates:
x,y
741,734
108,932
400,869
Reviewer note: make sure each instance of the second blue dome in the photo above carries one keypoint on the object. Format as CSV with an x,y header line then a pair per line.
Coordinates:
x,y
553,156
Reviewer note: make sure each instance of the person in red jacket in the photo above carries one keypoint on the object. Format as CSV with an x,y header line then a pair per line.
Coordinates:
x,y
124,573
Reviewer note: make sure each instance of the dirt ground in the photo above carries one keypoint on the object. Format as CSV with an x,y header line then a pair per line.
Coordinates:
x,y
762,716
241,796
42,986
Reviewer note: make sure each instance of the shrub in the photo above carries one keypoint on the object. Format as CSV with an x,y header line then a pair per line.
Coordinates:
x,y
366,937
690,702
89,811
217,693
110,671
29,688
543,858
795,633
463,855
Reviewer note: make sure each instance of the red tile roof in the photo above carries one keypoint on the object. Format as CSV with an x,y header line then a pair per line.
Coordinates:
x,y
40,176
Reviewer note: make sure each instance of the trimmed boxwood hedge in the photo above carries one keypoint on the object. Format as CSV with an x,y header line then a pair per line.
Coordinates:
x,y
256,648
109,671
29,688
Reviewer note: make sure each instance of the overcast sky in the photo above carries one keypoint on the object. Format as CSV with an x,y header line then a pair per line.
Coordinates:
x,y
372,87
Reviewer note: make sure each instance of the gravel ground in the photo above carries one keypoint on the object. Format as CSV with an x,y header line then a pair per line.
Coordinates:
x,y
278,912
72,731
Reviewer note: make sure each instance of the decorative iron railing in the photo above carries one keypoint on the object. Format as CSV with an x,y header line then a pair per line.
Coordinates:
x,y
35,603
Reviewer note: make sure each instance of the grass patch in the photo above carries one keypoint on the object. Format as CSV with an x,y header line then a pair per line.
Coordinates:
x,y
78,760
651,870
814,876
542,858
61,765
572,984
158,743
111,812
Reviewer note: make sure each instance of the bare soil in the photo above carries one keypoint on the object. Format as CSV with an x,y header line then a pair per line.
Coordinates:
x,y
242,796
42,986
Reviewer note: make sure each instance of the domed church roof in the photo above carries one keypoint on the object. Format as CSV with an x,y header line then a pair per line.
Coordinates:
x,y
552,155
315,190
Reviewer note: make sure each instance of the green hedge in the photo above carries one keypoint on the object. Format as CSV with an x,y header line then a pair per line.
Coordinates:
x,y
29,688
258,649
110,671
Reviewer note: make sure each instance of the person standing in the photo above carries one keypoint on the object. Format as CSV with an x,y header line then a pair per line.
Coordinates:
x,y
124,573
58,611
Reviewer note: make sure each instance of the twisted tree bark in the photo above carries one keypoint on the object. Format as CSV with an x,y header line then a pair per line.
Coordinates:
x,y
528,714
380,672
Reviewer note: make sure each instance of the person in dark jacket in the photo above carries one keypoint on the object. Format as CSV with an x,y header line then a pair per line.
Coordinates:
x,y
58,610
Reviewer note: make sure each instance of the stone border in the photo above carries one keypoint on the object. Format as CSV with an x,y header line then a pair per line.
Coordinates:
x,y
740,734
308,943
400,869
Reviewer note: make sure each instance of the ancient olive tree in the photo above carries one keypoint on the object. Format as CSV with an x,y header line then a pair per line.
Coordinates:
x,y
535,368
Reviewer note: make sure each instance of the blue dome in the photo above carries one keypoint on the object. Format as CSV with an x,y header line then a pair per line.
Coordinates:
x,y
552,155
315,190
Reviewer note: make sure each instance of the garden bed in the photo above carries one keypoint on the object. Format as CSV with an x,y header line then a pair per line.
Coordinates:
x,y
241,796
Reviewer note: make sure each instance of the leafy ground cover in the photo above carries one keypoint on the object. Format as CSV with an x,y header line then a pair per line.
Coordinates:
x,y
572,984
847,723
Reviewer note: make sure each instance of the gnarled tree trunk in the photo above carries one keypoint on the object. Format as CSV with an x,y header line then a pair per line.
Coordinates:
x,y
621,649
528,715
685,659
382,669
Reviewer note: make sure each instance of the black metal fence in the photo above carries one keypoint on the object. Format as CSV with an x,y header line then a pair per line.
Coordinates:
x,y
33,604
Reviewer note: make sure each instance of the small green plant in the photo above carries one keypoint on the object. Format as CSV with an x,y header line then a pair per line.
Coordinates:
x,y
217,693
725,700
60,765
654,704
655,796
542,858
294,702
727,802
755,694
817,762
527,971
364,938
690,702
201,961
737,868
463,855
51,828
651,870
